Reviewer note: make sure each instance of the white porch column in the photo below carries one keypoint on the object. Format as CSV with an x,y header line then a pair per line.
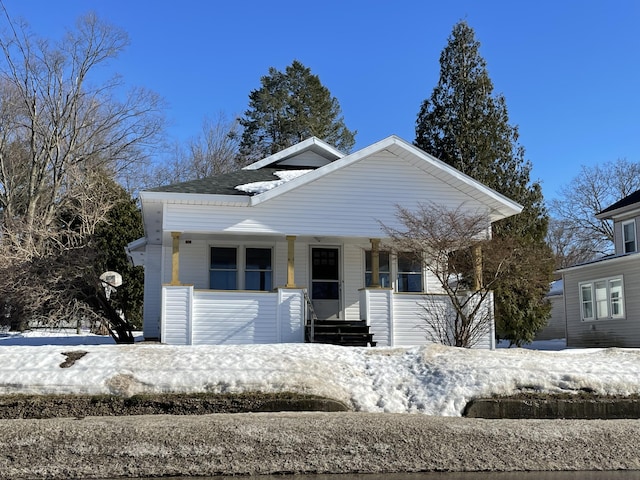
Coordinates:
x,y
291,239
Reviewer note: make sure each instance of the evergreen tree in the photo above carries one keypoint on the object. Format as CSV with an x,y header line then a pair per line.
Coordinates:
x,y
123,225
289,107
464,124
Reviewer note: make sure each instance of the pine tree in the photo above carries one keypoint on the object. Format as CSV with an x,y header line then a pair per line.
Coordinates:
x,y
464,124
290,107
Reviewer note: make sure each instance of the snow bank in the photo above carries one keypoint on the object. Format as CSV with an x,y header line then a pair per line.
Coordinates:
x,y
433,380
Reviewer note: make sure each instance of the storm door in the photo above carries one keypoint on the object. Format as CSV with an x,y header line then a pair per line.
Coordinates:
x,y
325,282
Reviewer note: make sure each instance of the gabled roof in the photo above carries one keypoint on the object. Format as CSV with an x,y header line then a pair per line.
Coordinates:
x,y
311,153
628,203
312,145
222,188
498,203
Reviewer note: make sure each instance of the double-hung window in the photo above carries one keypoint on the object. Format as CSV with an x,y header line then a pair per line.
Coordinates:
x,y
384,269
409,273
629,236
257,270
234,268
223,270
601,299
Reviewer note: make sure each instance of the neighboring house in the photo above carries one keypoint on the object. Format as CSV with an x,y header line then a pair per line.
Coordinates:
x,y
556,326
239,258
602,297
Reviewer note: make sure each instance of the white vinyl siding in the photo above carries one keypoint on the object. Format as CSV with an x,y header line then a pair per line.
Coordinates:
x,y
291,316
234,318
206,317
408,320
376,307
152,291
338,204
176,328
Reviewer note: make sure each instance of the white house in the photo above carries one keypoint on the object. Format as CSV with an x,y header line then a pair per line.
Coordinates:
x,y
242,257
602,297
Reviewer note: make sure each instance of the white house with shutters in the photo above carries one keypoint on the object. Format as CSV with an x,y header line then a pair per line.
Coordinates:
x,y
257,255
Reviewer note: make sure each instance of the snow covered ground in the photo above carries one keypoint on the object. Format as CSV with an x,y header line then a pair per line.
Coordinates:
x,y
434,380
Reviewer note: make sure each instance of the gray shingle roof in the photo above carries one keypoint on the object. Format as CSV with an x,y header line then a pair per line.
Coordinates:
x,y
625,202
223,184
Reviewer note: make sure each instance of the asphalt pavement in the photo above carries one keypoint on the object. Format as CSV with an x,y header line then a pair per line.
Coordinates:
x,y
276,443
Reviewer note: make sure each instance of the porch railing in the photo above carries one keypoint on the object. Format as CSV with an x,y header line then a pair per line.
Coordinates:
x,y
311,318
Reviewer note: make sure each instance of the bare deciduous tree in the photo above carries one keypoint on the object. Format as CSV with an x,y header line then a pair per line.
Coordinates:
x,y
570,244
212,152
590,192
65,135
57,125
448,243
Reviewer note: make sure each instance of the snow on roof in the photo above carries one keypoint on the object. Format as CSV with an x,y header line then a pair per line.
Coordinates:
x,y
260,187
556,288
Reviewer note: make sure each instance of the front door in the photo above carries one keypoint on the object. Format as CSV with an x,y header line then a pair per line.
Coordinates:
x,y
325,282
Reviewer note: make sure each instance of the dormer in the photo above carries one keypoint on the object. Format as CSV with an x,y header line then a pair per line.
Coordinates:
x,y
312,153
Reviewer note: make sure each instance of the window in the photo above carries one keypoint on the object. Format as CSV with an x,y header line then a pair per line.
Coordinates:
x,y
587,302
629,236
257,273
223,274
602,299
384,272
226,271
409,273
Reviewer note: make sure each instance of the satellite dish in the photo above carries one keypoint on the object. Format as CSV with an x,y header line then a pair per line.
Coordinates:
x,y
112,279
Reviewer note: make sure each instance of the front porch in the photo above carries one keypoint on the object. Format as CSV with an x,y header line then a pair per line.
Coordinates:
x,y
342,304
205,317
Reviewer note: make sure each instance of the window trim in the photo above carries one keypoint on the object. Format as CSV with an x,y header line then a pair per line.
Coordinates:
x,y
398,272
625,240
236,270
590,286
241,264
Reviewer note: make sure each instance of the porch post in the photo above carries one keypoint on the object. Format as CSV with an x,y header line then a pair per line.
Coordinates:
x,y
175,258
291,239
375,263
477,267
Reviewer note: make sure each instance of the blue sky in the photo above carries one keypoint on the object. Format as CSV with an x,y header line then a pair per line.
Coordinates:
x,y
569,70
